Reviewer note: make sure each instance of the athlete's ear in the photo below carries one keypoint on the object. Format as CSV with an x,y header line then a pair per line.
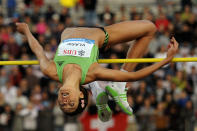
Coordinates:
x,y
81,95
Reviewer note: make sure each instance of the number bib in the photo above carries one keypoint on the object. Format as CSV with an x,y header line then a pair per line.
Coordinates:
x,y
76,47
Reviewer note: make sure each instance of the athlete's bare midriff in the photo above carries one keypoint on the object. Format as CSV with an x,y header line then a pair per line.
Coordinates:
x,y
82,32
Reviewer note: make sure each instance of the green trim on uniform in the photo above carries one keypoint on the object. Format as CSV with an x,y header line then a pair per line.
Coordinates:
x,y
83,62
106,38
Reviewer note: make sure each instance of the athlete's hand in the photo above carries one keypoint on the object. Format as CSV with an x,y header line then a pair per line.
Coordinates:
x,y
22,28
172,48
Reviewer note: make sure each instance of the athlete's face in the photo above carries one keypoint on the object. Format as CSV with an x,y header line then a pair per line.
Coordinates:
x,y
68,99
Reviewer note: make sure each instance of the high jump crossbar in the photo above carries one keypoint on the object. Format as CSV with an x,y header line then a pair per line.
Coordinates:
x,y
139,60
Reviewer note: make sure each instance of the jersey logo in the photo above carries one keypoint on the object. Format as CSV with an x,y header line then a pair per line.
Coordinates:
x,y
70,52
81,52
76,47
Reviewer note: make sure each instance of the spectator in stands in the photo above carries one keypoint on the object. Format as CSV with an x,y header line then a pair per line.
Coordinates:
x,y
4,34
41,27
58,118
192,77
16,76
185,3
166,82
163,39
180,80
52,91
162,22
2,102
20,99
38,3
161,53
145,114
11,6
146,12
122,15
186,14
90,12
23,86
10,92
183,98
153,100
37,96
13,47
192,22
46,103
32,80
142,89
138,102
53,43
160,90
49,13
107,17
3,77
64,14
30,114
6,118
161,120
188,116
168,102
81,21
133,12
35,14
1,20
174,118
18,119
27,2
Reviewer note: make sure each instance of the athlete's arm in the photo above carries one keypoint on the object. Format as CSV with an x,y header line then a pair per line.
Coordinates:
x,y
116,75
47,67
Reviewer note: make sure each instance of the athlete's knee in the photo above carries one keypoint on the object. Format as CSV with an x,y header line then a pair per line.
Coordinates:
x,y
151,28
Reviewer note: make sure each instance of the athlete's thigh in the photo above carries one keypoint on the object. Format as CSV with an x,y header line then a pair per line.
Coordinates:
x,y
128,31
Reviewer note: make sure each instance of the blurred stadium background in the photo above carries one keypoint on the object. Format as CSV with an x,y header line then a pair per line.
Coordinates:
x,y
163,101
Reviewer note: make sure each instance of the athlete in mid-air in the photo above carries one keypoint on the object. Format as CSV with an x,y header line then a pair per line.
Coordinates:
x,y
75,62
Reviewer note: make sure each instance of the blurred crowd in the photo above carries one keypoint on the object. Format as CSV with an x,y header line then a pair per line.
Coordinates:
x,y
165,100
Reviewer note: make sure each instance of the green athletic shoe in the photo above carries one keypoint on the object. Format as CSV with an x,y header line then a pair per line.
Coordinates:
x,y
101,98
119,94
104,112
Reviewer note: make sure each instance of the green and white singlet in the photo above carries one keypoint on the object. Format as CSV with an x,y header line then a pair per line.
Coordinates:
x,y
80,51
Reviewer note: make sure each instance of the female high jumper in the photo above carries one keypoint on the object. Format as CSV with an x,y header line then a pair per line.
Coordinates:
x,y
75,62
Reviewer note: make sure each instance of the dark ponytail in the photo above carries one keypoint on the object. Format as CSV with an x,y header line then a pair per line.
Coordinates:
x,y
83,102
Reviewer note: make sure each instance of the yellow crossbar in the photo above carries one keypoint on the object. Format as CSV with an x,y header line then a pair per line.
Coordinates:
x,y
141,60
146,60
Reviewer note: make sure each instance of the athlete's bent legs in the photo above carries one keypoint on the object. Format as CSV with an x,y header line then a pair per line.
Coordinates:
x,y
142,32
139,48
